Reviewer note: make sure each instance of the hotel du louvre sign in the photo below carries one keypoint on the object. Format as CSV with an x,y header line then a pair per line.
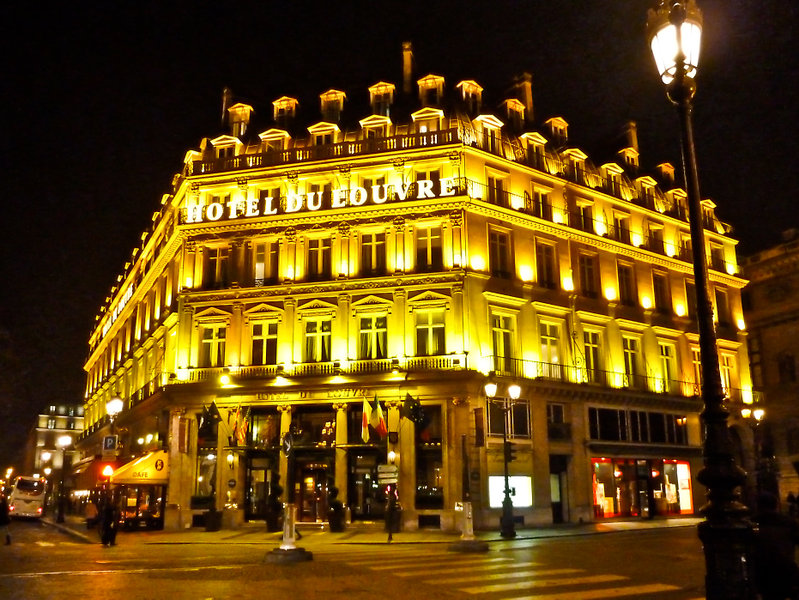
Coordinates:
x,y
320,200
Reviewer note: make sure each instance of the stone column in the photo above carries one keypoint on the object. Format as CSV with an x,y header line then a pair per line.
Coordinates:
x,y
341,474
177,515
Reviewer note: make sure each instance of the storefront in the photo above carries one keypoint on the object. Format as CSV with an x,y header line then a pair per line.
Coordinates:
x,y
140,490
641,487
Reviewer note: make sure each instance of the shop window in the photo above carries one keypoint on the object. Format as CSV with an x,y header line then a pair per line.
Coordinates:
x,y
373,253
430,333
429,256
266,430
205,481
430,477
264,343
317,340
373,338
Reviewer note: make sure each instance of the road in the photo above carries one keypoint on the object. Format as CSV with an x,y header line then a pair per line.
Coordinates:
x,y
656,564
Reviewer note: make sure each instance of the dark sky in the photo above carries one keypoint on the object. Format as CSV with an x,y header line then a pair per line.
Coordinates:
x,y
102,102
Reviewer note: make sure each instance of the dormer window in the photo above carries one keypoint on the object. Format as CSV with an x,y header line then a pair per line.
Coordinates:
x,y
375,127
332,102
427,119
431,90
491,128
239,117
666,171
514,111
381,97
225,146
323,133
285,109
559,129
274,140
472,96
225,152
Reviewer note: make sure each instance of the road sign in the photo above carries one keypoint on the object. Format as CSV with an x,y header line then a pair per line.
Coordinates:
x,y
387,474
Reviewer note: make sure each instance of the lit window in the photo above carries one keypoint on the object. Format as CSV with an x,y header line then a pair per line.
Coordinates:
x,y
502,337
317,340
499,254
264,343
373,338
373,253
430,332
429,255
318,259
212,346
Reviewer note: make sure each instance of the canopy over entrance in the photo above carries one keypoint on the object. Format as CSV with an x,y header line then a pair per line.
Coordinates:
x,y
152,468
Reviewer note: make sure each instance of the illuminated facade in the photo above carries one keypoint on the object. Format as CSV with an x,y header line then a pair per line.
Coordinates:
x,y
436,240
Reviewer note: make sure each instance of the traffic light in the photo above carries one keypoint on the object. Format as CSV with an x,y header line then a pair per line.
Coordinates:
x,y
510,452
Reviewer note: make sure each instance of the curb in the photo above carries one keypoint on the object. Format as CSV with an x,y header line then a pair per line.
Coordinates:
x,y
68,530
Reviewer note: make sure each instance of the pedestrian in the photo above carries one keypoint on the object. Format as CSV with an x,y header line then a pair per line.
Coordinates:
x,y
5,519
109,520
776,571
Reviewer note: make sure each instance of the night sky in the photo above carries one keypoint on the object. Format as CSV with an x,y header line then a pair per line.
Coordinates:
x,y
101,103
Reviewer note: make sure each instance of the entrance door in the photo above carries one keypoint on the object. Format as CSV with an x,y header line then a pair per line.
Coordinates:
x,y
557,487
366,497
262,475
312,485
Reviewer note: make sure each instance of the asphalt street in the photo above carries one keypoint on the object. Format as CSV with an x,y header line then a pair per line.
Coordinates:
x,y
658,563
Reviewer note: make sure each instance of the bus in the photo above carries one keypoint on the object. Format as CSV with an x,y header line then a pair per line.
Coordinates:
x,y
27,497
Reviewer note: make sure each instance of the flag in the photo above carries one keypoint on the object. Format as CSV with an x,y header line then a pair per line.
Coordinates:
x,y
233,415
244,425
413,411
376,419
367,415
207,426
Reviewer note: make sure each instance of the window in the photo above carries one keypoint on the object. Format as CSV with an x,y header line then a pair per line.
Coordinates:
x,y
726,369
637,426
660,290
317,340
225,152
373,338
690,298
51,423
499,254
786,364
592,365
374,187
668,367
513,416
556,413
429,256
540,205
631,358
627,292
545,265
430,332
722,307
212,346
216,267
322,139
502,337
319,259
265,263
264,343
588,275
381,104
621,228
607,424
373,253
550,350
696,361
496,191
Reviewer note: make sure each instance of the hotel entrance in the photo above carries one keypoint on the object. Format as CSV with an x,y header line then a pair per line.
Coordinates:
x,y
313,479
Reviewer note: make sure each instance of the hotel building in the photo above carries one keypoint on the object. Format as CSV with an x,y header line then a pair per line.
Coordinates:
x,y
409,243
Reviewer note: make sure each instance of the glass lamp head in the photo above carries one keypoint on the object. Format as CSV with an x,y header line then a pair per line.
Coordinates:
x,y
674,30
114,406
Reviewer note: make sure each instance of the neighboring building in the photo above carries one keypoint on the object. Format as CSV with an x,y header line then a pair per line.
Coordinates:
x,y
410,250
43,456
771,309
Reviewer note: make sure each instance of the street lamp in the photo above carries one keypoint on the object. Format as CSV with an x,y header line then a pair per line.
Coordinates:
x,y
63,442
765,477
506,524
113,407
674,32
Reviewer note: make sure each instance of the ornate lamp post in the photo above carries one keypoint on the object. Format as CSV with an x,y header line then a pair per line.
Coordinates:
x,y
506,525
63,442
674,32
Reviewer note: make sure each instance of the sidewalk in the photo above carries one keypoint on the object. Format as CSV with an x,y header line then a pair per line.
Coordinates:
x,y
315,535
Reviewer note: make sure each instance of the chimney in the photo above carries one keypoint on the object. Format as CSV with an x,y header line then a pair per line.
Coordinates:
x,y
524,86
227,102
407,68
631,135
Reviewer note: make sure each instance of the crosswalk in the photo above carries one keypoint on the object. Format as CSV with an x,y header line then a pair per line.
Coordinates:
x,y
500,577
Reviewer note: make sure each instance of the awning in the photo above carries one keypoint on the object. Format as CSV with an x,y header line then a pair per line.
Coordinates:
x,y
152,468
81,465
